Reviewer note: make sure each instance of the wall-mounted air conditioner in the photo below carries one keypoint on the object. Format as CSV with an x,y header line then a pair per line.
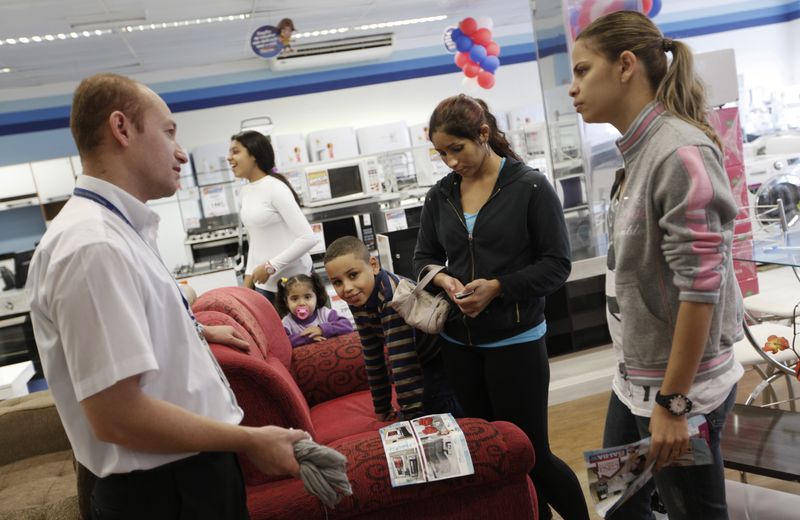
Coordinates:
x,y
334,52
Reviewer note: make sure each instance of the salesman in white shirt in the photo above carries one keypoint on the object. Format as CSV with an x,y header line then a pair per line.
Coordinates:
x,y
144,404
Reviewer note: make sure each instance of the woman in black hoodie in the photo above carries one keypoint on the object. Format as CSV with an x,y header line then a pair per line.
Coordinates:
x,y
499,227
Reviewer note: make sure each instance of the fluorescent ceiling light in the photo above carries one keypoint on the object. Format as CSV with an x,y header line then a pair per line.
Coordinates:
x,y
202,21
3,70
367,27
127,28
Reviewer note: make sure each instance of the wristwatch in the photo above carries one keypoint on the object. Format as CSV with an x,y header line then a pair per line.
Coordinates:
x,y
270,270
676,404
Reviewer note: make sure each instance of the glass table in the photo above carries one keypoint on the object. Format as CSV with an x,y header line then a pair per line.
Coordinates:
x,y
779,249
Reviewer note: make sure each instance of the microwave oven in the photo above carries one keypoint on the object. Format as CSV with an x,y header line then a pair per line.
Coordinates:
x,y
341,181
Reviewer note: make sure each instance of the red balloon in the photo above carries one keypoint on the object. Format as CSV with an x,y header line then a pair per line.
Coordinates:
x,y
647,6
486,79
468,25
482,36
472,69
461,59
492,49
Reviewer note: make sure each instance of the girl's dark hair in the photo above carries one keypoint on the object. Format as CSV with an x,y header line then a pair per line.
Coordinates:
x,y
284,284
462,116
260,147
677,86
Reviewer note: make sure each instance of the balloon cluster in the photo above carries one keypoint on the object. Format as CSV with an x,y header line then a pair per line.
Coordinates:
x,y
478,55
587,11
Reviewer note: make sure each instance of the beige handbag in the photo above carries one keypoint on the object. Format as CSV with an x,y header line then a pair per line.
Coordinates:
x,y
419,308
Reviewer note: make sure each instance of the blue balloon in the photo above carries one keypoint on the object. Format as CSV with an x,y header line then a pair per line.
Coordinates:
x,y
463,44
456,34
477,53
655,9
490,63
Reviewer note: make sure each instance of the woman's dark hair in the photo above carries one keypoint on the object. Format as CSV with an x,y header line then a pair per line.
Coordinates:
x,y
462,116
260,147
284,284
677,86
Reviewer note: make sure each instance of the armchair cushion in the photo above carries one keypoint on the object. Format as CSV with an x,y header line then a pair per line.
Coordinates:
x,y
225,303
330,369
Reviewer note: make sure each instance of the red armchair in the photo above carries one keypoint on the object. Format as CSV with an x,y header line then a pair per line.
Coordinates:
x,y
322,388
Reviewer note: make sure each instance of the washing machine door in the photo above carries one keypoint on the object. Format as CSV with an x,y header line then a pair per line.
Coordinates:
x,y
786,187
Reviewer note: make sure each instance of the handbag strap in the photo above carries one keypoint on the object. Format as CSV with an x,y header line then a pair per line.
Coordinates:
x,y
433,270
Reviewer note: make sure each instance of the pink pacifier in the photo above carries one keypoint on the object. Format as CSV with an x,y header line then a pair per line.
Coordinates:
x,y
301,312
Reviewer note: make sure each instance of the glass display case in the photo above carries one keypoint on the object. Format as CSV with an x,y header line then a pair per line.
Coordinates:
x,y
584,157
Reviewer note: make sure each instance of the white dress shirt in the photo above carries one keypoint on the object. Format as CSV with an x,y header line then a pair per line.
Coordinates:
x,y
104,308
277,230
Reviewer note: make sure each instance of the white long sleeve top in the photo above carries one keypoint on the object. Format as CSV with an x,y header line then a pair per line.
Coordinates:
x,y
277,230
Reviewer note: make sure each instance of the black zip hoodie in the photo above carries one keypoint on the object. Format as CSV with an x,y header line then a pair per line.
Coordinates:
x,y
519,238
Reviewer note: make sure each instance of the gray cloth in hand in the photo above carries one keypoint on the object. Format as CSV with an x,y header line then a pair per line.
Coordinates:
x,y
323,471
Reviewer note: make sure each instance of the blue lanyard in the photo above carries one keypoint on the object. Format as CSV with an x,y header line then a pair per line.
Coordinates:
x,y
96,197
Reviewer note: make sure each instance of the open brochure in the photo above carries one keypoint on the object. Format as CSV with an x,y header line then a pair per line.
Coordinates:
x,y
425,449
615,474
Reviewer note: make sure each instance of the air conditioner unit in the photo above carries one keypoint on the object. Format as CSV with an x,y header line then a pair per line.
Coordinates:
x,y
334,52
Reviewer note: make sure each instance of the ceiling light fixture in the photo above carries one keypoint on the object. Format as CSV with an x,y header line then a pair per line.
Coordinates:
x,y
128,28
3,70
185,23
202,21
367,27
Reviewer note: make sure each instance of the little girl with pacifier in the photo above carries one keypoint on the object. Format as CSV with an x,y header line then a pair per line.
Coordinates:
x,y
301,300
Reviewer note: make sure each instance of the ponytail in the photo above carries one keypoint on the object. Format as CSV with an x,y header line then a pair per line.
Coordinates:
x,y
681,91
677,87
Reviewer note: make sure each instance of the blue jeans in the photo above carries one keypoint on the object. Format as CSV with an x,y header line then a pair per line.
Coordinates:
x,y
689,493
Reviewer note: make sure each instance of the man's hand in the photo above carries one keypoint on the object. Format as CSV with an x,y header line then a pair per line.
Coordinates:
x,y
670,437
260,274
225,335
272,450
484,292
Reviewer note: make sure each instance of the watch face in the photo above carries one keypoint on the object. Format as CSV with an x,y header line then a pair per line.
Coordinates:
x,y
677,405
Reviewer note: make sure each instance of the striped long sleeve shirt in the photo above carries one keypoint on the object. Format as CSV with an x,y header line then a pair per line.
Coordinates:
x,y
384,332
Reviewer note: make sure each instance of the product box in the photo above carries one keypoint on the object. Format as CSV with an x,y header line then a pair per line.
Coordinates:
x,y
419,134
290,150
332,143
383,138
726,122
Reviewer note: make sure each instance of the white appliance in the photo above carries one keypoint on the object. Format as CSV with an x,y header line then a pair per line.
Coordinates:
x,y
290,150
332,144
331,53
419,135
383,138
428,165
210,163
341,181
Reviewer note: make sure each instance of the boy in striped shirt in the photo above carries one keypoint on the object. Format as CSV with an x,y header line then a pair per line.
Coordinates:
x,y
414,362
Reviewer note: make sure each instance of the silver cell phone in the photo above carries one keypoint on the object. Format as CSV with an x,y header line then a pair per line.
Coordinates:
x,y
463,294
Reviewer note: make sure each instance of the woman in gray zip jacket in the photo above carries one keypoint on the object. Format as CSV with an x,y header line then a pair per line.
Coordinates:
x,y
676,308
499,227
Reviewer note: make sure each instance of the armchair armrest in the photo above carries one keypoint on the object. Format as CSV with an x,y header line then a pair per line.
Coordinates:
x,y
329,369
502,457
29,426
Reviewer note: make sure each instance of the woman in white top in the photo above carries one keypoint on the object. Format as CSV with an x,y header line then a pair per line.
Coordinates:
x,y
278,232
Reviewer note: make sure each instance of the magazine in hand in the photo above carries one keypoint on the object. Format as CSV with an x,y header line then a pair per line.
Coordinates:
x,y
615,474
425,449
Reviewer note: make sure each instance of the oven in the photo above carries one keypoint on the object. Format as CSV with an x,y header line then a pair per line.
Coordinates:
x,y
17,342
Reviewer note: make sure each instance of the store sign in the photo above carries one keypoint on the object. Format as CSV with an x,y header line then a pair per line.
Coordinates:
x,y
265,42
